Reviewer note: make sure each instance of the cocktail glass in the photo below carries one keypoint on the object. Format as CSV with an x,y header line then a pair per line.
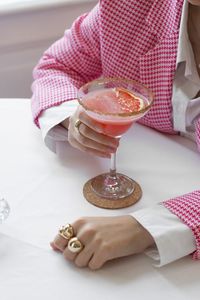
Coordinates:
x,y
115,103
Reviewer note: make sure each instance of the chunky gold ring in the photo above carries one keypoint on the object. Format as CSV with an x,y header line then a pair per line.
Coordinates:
x,y
77,124
74,245
66,232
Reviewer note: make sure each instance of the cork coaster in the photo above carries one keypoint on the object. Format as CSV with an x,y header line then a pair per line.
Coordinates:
x,y
94,199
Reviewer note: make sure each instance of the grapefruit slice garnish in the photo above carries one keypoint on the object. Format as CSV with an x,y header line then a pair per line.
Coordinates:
x,y
128,101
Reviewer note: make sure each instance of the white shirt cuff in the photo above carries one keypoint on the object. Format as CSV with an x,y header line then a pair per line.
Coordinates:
x,y
172,237
49,120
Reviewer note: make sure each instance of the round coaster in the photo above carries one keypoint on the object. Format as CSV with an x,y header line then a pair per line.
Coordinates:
x,y
94,199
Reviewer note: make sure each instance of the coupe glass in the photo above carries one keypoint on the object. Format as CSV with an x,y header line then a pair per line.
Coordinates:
x,y
115,103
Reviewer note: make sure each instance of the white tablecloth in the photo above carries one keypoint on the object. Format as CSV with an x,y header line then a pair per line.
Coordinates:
x,y
45,191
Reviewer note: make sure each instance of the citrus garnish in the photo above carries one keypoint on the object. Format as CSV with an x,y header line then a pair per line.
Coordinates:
x,y
128,101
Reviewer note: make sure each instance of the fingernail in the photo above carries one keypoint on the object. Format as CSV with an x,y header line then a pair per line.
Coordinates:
x,y
54,247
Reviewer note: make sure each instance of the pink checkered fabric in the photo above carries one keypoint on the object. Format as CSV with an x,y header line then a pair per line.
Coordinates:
x,y
187,208
132,39
135,39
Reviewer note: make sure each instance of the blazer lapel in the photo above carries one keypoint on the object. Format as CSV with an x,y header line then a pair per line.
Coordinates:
x,y
157,66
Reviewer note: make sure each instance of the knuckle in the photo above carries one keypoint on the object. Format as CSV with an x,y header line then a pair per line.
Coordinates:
x,y
88,232
105,249
91,231
80,222
98,241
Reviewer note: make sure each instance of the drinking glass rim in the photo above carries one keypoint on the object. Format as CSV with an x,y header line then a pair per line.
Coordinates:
x,y
110,79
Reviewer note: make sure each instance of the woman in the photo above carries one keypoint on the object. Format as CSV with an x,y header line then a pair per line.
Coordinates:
x,y
156,43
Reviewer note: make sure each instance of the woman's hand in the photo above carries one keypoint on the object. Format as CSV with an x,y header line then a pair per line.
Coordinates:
x,y
89,136
104,238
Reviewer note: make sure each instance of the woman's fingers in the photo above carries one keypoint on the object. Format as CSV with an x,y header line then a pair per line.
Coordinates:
x,y
87,235
89,122
59,243
83,258
92,146
100,138
69,255
89,136
103,239
98,260
76,144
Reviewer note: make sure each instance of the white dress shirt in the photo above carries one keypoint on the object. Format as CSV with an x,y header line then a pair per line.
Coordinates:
x,y
173,239
186,83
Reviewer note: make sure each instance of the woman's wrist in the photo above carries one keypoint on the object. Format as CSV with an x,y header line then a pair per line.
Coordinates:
x,y
144,238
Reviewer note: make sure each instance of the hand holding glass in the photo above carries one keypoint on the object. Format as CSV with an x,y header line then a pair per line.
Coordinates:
x,y
115,103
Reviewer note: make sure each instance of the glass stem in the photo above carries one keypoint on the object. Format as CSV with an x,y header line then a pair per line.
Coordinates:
x,y
113,165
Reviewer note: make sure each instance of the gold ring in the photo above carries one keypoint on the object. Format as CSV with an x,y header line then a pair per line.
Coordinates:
x,y
77,124
66,232
74,245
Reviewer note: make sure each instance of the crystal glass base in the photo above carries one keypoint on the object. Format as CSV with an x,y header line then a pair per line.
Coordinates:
x,y
110,186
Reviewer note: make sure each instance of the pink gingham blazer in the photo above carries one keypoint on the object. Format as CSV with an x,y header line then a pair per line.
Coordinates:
x,y
131,38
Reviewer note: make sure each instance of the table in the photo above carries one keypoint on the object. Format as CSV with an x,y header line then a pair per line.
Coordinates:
x,y
45,190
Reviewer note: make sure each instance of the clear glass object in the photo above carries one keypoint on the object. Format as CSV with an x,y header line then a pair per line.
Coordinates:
x,y
115,103
4,209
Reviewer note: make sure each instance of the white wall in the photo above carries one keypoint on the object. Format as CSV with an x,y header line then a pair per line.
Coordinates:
x,y
24,35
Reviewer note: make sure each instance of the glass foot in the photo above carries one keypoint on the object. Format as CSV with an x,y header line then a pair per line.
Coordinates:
x,y
110,186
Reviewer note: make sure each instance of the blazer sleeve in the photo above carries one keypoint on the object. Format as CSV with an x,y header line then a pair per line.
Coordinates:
x,y
67,64
187,208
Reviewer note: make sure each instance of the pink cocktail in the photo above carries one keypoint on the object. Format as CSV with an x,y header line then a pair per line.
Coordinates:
x,y
115,103
106,105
